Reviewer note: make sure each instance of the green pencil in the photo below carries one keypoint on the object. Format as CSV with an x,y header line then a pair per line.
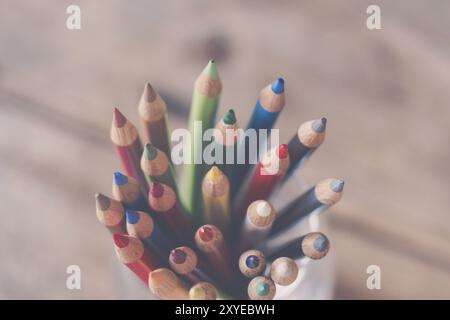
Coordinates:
x,y
205,101
156,167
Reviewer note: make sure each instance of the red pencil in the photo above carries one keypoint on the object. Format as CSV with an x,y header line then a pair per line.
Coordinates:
x,y
125,138
210,241
132,253
265,177
163,201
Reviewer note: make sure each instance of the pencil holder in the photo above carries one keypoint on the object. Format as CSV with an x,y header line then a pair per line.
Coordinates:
x,y
315,280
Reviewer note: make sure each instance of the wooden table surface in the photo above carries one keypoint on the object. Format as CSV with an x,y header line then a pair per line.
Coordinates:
x,y
385,93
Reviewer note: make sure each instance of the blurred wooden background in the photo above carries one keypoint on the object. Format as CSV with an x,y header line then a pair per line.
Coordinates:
x,y
386,95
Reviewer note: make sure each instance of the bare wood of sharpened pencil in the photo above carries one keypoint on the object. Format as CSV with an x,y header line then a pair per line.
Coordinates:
x,y
110,213
166,285
153,113
226,136
309,136
314,245
184,261
284,271
258,221
326,193
203,291
216,198
261,288
156,167
209,240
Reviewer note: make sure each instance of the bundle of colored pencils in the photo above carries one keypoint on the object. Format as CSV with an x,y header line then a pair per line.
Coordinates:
x,y
215,234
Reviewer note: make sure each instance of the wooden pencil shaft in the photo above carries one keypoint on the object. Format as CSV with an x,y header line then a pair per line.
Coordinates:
x,y
156,166
298,153
296,210
136,257
205,100
292,249
128,191
216,198
110,213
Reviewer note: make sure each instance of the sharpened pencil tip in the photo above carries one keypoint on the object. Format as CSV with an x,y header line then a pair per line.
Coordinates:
x,y
132,216
150,151
149,93
102,201
214,174
119,178
229,117
319,125
282,151
120,240
156,189
178,256
263,208
262,289
337,185
205,233
278,86
321,244
119,119
252,262
197,293
211,70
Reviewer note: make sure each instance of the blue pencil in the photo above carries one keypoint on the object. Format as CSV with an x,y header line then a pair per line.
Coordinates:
x,y
268,106
323,195
309,136
127,190
267,109
142,226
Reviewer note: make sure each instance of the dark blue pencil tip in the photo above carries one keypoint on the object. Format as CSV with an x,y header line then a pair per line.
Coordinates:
x,y
321,244
337,185
278,86
132,216
252,262
119,178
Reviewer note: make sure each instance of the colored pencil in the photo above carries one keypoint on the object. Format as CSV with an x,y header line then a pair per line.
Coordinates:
x,y
310,135
184,261
110,213
267,109
258,221
266,176
326,193
153,114
211,243
156,167
203,291
163,202
284,271
216,199
226,137
268,106
261,288
127,190
252,263
132,253
142,226
205,101
314,245
167,286
127,143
